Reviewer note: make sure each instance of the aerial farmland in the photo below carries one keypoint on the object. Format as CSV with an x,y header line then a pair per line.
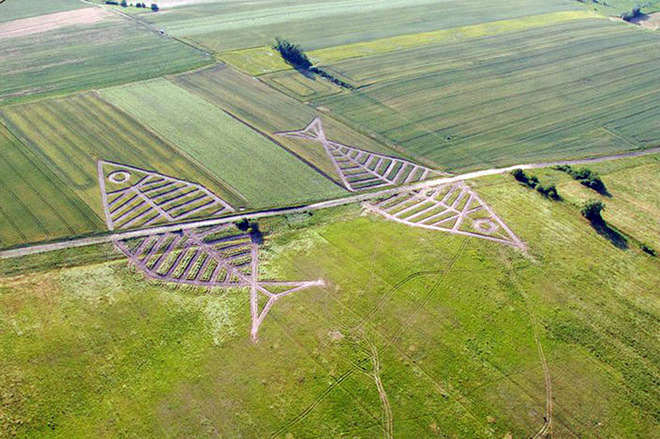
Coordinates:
x,y
327,219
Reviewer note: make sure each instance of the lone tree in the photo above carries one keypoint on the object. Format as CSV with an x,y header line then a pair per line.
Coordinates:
x,y
592,209
292,53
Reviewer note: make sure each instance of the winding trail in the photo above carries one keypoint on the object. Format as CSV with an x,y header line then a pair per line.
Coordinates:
x,y
112,237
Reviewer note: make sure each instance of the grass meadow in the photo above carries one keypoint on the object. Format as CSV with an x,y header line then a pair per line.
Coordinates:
x,y
220,26
95,349
255,167
16,10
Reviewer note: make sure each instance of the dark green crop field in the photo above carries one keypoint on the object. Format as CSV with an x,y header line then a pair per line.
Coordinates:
x,y
566,90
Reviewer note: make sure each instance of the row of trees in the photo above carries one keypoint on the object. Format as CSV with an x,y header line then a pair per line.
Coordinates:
x,y
531,181
586,177
294,55
124,4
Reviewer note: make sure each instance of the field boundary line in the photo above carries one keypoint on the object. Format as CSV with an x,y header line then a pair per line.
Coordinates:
x,y
109,238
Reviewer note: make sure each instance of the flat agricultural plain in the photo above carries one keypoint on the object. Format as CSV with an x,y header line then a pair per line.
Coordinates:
x,y
434,331
265,174
83,49
477,308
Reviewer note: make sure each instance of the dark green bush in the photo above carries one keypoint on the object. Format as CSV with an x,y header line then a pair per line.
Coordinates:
x,y
592,209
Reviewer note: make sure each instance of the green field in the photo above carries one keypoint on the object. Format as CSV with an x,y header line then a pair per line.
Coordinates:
x,y
221,26
507,99
261,171
15,10
66,137
34,203
260,60
114,50
456,354
270,111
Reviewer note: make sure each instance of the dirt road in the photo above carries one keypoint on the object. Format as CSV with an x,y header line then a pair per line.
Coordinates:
x,y
115,236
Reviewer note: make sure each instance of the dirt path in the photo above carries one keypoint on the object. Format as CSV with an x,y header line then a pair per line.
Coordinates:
x,y
544,431
109,238
388,423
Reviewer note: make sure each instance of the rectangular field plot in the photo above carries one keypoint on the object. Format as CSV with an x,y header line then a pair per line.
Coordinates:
x,y
107,50
15,10
511,98
269,111
260,170
34,204
71,134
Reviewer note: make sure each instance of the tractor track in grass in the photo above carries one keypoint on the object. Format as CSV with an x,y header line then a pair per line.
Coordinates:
x,y
360,365
177,227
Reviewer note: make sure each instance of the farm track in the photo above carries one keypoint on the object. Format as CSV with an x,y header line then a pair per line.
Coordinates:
x,y
109,238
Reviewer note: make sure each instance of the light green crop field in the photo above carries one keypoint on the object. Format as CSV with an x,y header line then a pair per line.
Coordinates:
x,y
270,111
261,60
15,10
67,137
261,171
222,26
568,90
417,333
34,203
110,51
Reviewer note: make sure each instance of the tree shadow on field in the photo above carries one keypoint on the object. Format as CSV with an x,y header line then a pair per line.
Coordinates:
x,y
603,229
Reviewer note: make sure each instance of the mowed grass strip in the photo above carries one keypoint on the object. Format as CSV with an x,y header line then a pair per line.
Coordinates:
x,y
261,60
111,51
69,135
34,204
261,171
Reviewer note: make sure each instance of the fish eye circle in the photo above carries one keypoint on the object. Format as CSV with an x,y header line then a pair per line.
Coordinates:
x,y
485,225
119,177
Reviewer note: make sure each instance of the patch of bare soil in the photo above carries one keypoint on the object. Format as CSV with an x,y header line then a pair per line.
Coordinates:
x,y
45,23
651,21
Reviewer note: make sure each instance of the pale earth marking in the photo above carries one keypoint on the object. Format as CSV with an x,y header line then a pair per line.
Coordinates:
x,y
134,197
217,256
361,170
33,249
453,208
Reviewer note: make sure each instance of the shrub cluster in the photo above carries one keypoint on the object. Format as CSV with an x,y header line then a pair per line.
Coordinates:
x,y
649,250
294,55
636,12
592,209
586,177
124,4
531,181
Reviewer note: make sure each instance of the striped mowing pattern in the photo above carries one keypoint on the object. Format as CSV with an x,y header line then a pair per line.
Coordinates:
x,y
453,208
221,256
362,170
134,197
